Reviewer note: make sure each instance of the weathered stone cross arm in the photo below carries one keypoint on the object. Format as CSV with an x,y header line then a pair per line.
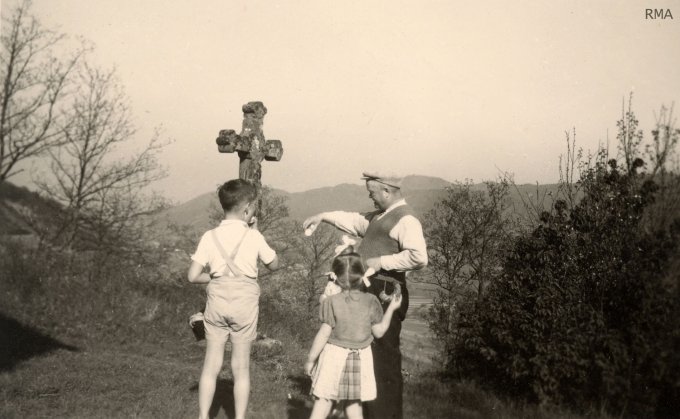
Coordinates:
x,y
229,141
253,114
250,145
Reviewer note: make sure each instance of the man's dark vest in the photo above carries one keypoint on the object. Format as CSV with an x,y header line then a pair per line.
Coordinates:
x,y
386,352
377,242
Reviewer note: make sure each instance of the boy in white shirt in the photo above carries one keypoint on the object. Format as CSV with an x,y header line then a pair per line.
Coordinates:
x,y
231,251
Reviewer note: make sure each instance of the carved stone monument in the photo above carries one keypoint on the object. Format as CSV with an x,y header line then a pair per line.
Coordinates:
x,y
250,145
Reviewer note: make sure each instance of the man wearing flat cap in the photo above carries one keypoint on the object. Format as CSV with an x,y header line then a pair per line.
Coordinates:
x,y
392,245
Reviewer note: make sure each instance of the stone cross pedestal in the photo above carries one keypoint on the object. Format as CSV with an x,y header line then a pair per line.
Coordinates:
x,y
250,145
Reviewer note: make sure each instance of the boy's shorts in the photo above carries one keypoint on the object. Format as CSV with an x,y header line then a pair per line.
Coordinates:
x,y
232,309
239,333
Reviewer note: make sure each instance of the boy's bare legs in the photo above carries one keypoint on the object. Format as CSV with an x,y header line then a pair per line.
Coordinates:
x,y
353,410
321,409
240,369
214,354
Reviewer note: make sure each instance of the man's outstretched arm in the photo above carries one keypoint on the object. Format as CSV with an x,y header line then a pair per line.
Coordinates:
x,y
350,222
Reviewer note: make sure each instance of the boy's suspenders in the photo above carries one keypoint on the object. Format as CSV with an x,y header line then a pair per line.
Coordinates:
x,y
230,259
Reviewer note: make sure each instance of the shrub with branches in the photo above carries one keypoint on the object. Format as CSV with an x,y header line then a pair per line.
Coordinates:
x,y
586,311
467,234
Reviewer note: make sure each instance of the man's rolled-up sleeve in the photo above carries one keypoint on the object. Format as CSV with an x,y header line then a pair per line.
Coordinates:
x,y
350,222
409,234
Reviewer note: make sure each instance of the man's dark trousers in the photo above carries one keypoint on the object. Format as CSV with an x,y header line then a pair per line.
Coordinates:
x,y
387,362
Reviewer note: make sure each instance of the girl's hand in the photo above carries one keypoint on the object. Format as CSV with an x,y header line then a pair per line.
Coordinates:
x,y
396,302
309,366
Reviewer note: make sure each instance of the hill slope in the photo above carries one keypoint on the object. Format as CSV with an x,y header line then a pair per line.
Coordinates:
x,y
23,211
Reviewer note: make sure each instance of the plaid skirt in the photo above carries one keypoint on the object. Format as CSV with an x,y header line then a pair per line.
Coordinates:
x,y
344,374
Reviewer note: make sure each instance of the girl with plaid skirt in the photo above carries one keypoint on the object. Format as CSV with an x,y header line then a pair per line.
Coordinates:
x,y
340,361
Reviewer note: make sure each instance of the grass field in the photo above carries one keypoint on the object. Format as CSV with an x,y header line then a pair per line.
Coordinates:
x,y
118,346
143,380
64,375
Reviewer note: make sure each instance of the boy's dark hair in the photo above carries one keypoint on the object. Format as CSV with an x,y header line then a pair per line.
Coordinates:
x,y
349,269
236,192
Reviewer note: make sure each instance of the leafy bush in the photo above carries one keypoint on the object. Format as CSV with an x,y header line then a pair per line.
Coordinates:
x,y
586,311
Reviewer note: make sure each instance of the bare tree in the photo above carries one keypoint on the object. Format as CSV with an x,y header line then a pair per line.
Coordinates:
x,y
101,192
665,138
467,233
665,171
34,86
629,136
314,256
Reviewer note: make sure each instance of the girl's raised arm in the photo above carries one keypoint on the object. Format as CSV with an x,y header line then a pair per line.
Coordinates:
x,y
379,329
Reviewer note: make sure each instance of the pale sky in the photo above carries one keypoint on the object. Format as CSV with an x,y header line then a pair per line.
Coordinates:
x,y
440,88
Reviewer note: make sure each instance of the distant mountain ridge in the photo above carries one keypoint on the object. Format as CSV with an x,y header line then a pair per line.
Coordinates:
x,y
421,193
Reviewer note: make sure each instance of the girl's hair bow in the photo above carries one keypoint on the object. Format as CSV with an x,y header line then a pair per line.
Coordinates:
x,y
369,272
346,242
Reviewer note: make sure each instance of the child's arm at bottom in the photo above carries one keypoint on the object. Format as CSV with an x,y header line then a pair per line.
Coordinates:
x,y
317,346
379,329
196,274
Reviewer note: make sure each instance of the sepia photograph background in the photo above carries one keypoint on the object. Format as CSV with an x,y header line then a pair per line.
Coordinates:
x,y
507,109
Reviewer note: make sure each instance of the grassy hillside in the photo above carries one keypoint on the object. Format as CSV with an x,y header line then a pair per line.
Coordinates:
x,y
23,211
82,340
117,345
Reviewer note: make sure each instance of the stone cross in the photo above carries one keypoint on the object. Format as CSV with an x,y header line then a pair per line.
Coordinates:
x,y
250,145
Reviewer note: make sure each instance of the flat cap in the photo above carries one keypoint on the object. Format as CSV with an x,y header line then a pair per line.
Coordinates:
x,y
385,179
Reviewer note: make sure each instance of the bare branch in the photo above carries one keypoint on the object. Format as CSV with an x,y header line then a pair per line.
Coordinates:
x,y
100,193
34,88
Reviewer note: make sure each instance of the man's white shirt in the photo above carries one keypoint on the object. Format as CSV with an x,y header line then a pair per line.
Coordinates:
x,y
408,232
